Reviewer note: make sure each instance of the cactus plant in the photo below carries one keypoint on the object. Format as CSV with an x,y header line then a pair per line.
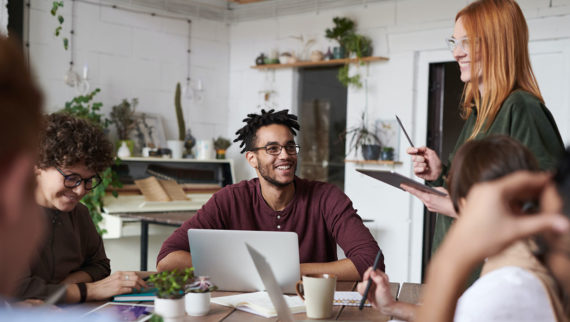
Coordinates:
x,y
179,114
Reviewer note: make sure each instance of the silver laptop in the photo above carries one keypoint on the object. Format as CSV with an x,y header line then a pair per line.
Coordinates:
x,y
222,255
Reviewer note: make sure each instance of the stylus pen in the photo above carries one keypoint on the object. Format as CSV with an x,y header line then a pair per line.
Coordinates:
x,y
374,267
405,132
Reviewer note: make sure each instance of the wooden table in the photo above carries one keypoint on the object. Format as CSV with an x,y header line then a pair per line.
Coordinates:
x,y
408,293
170,218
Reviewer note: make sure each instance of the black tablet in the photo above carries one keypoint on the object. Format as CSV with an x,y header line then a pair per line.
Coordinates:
x,y
395,179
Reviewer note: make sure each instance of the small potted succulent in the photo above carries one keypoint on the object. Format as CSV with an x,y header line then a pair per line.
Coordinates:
x,y
364,138
221,145
197,298
170,285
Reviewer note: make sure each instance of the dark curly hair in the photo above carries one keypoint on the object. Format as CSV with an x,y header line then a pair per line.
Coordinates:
x,y
254,121
67,140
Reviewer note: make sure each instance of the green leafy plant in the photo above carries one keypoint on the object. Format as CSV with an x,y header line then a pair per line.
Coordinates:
x,y
348,80
342,28
83,106
179,114
221,143
171,284
54,8
122,115
360,135
359,45
201,285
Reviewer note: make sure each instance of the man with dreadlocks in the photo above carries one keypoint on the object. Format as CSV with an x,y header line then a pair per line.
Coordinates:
x,y
277,200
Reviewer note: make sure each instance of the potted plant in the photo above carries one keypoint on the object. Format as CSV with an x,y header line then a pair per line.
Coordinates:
x,y
177,146
364,138
342,28
122,115
170,285
197,298
387,153
221,144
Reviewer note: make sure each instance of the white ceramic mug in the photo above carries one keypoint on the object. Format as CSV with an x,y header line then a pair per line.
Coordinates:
x,y
317,290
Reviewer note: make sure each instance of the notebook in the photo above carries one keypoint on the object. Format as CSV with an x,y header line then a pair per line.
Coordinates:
x,y
259,303
222,255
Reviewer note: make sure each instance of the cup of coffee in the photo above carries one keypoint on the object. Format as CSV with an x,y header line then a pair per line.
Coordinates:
x,y
317,290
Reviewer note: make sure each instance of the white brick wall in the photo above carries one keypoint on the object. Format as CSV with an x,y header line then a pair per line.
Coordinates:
x,y
135,55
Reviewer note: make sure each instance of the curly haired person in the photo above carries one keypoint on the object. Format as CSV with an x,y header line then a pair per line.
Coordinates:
x,y
277,200
72,153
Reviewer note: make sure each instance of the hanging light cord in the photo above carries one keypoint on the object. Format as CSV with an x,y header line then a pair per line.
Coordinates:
x,y
189,51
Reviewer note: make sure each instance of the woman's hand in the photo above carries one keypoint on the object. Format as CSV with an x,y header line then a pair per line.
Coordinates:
x,y
433,202
379,294
427,164
117,283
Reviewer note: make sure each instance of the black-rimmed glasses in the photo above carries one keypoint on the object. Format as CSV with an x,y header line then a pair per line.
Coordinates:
x,y
73,180
275,149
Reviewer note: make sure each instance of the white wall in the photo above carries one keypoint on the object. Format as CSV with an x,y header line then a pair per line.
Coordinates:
x,y
135,55
410,33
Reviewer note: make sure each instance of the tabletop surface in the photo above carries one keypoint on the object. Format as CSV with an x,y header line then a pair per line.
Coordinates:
x,y
409,292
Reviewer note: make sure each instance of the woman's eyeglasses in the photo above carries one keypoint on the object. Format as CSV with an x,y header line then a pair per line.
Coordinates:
x,y
463,44
73,180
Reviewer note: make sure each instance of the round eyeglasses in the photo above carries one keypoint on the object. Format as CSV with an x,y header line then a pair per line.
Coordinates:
x,y
73,180
275,149
463,44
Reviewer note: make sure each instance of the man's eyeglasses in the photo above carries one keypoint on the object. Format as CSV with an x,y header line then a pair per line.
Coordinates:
x,y
275,149
73,180
463,43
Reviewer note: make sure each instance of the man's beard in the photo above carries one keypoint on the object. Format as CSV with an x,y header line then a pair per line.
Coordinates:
x,y
271,180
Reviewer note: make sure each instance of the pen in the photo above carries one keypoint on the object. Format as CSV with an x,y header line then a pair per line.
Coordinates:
x,y
55,296
404,130
365,295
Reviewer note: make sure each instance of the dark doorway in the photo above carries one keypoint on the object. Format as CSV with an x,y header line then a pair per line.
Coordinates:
x,y
16,20
444,126
322,114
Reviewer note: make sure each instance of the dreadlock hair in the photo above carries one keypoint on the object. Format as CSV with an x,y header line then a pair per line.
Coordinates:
x,y
254,121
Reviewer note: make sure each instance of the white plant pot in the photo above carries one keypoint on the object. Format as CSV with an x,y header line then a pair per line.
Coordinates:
x,y
197,304
169,308
204,149
177,148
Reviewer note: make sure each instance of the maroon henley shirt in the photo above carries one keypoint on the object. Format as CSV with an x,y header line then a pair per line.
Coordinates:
x,y
320,213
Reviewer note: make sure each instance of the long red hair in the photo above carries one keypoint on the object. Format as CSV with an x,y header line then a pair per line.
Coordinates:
x,y
498,40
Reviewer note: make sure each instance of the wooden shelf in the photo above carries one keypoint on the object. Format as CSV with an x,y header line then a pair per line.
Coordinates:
x,y
331,62
377,162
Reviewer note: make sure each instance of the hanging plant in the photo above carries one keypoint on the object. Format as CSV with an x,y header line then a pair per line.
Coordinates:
x,y
347,80
54,8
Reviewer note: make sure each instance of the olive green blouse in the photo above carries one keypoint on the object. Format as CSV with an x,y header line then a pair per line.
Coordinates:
x,y
522,117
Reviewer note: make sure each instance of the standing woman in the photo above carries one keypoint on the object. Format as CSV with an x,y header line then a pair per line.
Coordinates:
x,y
501,96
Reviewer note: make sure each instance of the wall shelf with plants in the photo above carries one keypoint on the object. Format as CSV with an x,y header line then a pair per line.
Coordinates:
x,y
375,162
323,63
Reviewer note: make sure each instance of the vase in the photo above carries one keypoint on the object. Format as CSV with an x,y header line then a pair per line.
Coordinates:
x,y
370,151
169,308
204,149
197,304
339,52
123,151
176,147
260,60
220,154
387,155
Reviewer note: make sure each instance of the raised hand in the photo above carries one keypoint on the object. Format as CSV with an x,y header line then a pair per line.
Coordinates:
x,y
427,164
